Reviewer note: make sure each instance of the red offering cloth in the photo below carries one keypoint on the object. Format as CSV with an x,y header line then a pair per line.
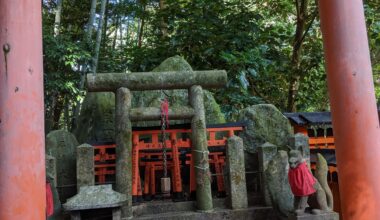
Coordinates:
x,y
301,180
165,113
49,200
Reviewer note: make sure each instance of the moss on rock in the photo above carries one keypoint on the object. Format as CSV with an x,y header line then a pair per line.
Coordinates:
x,y
265,123
96,120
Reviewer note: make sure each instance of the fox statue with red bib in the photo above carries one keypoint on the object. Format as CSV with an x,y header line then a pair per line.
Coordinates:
x,y
307,189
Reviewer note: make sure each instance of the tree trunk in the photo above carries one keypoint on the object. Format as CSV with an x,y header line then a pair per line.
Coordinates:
x,y
127,31
99,37
301,7
105,26
138,30
88,39
115,36
67,113
164,24
141,32
121,31
57,111
57,22
50,115
91,19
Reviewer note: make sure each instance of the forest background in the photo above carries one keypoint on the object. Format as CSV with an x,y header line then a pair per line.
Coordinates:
x,y
271,50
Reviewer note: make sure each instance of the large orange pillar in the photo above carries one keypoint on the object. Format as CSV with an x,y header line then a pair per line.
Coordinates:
x,y
353,107
22,154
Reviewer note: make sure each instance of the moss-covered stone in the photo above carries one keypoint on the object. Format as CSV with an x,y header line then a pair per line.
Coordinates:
x,y
96,120
265,123
200,150
266,152
97,117
95,197
276,175
236,181
176,63
62,145
140,81
85,166
124,149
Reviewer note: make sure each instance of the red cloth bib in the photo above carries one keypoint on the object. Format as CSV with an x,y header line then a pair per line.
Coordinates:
x,y
49,200
301,180
165,113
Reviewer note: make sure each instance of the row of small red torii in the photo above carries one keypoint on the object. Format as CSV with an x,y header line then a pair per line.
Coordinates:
x,y
105,159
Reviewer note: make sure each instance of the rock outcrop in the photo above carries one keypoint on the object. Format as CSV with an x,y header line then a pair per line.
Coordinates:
x,y
265,123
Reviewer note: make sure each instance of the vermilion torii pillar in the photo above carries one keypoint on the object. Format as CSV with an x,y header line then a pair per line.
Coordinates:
x,y
353,107
22,154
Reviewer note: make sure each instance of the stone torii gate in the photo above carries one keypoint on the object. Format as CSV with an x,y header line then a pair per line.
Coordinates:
x,y
122,84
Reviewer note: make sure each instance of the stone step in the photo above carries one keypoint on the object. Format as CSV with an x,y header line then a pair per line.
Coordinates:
x,y
162,206
165,206
254,213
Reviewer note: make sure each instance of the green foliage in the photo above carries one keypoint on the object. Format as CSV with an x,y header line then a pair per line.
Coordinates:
x,y
63,56
372,12
252,40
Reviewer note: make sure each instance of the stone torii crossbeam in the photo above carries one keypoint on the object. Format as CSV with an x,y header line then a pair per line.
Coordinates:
x,y
122,84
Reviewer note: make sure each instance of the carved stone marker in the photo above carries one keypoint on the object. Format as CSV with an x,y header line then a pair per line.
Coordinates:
x,y
237,187
266,152
85,166
61,145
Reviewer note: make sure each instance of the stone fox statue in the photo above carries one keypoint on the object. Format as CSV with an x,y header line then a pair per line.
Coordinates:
x,y
306,188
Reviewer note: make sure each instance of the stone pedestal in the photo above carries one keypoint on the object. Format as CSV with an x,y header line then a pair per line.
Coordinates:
x,y
237,187
266,153
322,216
85,166
95,197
